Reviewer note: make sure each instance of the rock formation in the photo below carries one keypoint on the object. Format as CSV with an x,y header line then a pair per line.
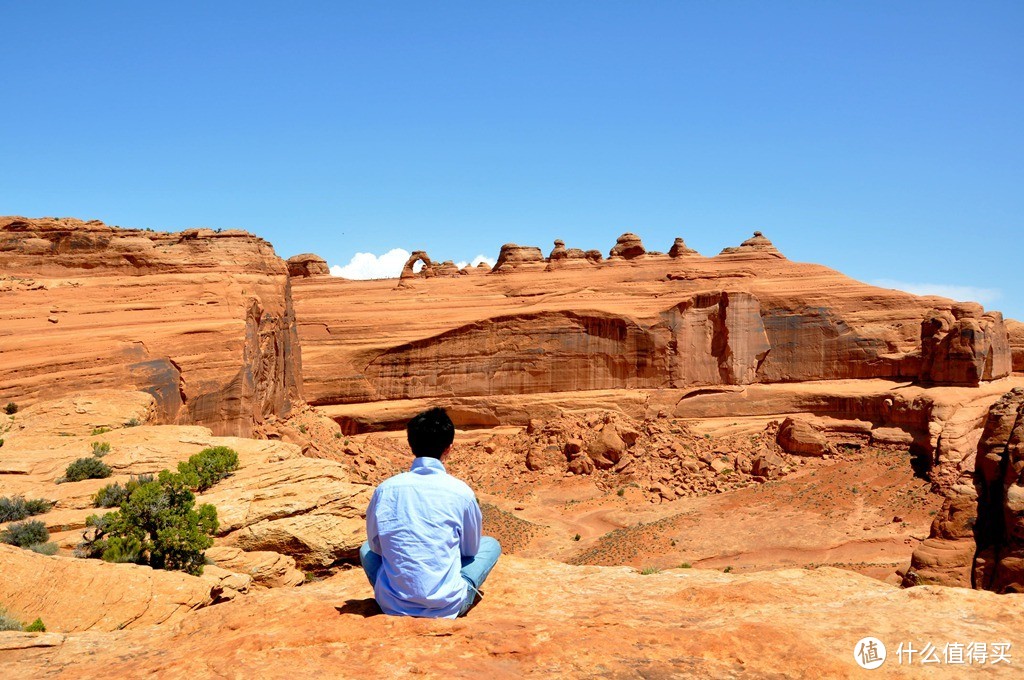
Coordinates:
x,y
628,246
417,256
72,594
512,256
741,318
999,479
963,346
680,249
203,320
976,537
757,244
1015,330
307,265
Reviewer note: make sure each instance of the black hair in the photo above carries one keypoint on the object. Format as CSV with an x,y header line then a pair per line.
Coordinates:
x,y
430,433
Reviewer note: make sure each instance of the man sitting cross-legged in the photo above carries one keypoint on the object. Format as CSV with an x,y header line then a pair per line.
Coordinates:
x,y
424,555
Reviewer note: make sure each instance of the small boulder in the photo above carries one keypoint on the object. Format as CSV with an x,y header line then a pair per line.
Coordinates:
x,y
801,438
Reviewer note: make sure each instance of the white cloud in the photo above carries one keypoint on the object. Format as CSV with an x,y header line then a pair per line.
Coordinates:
x,y
476,260
389,265
985,296
370,266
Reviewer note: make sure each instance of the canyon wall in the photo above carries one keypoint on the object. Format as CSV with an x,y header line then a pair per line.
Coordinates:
x,y
636,320
203,320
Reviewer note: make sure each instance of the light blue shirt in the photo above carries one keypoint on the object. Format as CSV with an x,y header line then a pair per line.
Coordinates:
x,y
421,523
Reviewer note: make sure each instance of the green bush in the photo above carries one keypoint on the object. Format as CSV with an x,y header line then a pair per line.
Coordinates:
x,y
86,468
36,626
24,534
100,449
16,507
1,443
11,408
113,495
133,422
158,525
208,467
100,430
37,506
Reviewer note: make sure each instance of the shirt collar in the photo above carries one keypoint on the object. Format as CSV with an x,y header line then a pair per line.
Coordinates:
x,y
424,465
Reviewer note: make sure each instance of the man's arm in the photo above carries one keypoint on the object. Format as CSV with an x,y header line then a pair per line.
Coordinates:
x,y
371,524
472,522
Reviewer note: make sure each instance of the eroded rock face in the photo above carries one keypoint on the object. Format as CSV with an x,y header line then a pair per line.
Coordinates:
x,y
628,246
680,249
1015,330
202,320
307,265
757,245
301,507
977,537
72,594
513,256
999,475
964,346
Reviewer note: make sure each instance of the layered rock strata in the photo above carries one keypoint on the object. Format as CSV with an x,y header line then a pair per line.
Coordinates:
x,y
201,319
306,265
654,322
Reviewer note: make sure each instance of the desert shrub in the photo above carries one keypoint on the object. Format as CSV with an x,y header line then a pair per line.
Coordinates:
x,y
113,495
87,468
100,430
36,626
15,508
37,506
8,622
1,443
685,565
44,548
647,571
12,509
100,449
11,408
158,524
24,534
208,467
132,422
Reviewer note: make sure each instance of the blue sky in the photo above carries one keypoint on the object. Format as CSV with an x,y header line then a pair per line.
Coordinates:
x,y
882,139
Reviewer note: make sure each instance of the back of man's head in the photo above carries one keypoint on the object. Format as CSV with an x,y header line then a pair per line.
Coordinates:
x,y
430,433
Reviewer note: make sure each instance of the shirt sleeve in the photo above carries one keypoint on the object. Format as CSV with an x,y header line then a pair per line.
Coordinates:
x,y
371,524
472,521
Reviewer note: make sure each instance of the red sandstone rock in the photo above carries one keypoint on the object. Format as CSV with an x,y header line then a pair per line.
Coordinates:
x,y
417,256
202,320
999,474
1015,330
307,265
800,437
513,256
543,617
627,246
72,594
963,346
680,249
757,245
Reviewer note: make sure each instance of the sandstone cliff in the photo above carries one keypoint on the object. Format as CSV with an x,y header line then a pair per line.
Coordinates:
x,y
203,320
976,538
636,321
